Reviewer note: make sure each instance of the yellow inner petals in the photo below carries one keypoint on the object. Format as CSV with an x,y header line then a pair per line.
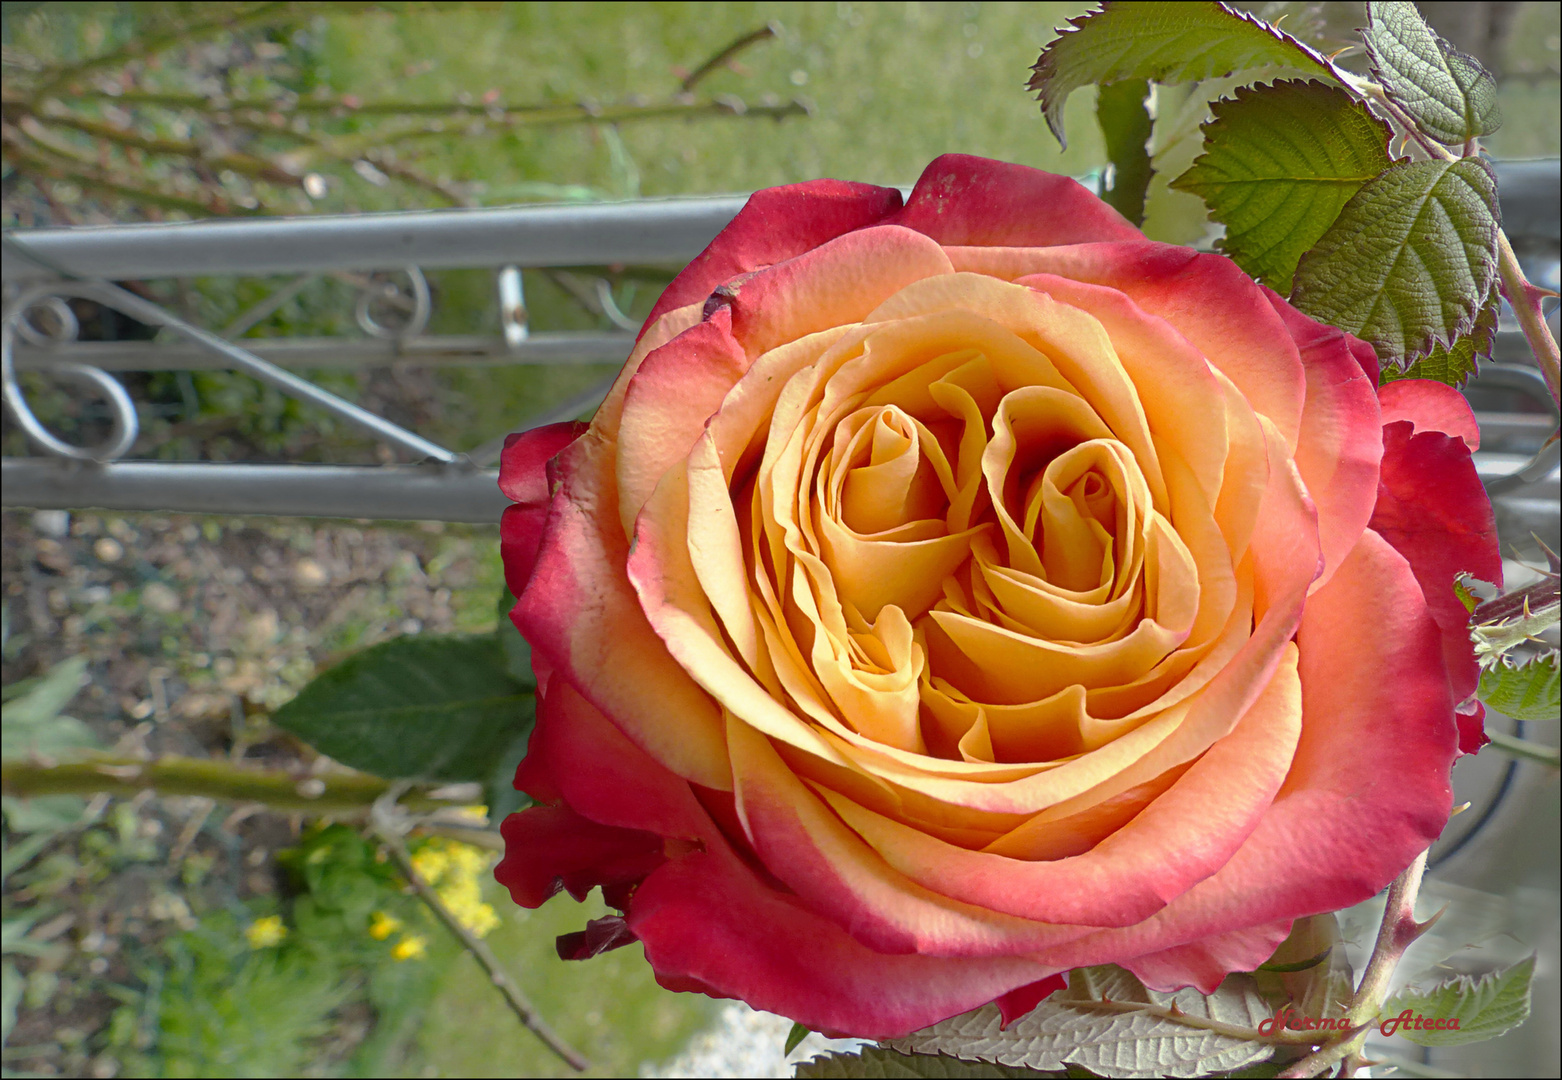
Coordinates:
x,y
964,577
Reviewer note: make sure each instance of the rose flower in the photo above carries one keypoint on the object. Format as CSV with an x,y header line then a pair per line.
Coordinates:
x,y
954,593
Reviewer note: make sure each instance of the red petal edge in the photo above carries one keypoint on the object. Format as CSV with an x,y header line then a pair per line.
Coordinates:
x,y
1434,511
776,224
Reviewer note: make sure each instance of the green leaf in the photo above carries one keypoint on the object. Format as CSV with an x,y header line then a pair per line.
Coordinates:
x,y
12,983
1466,595
31,722
1122,112
1449,95
1410,259
1279,164
424,707
1455,364
1529,691
798,1033
1482,1008
882,1064
1163,42
1085,1025
500,794
517,651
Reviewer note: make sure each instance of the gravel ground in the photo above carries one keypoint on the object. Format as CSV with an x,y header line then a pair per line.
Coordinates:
x,y
193,630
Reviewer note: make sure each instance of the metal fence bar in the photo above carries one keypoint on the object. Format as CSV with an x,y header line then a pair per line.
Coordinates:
x,y
236,359
332,352
384,492
646,231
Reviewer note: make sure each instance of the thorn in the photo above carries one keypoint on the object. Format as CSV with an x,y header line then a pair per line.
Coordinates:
x,y
1423,927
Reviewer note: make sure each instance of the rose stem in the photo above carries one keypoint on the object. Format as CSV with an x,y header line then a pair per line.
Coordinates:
x,y
1395,934
390,836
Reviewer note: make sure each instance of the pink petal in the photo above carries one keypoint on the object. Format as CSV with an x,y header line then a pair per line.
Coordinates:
x,y
1016,1003
1433,509
1430,406
708,922
548,848
523,464
1340,442
777,224
975,201
1218,308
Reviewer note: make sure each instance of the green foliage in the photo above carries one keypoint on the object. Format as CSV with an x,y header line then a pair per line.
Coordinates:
x,y
1279,164
1162,42
223,1006
227,1010
1484,1007
1409,259
429,707
609,1007
32,723
794,1037
1457,363
1449,95
1528,691
1066,1030
1121,110
880,1064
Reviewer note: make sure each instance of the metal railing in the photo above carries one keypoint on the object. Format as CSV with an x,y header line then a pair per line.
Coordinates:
x,y
43,267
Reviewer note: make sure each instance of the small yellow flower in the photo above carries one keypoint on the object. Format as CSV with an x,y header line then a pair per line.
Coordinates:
x,y
412,947
431,861
265,932
382,926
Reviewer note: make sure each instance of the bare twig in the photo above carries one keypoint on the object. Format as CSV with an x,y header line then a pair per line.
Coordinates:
x,y
244,164
60,163
387,829
139,47
753,37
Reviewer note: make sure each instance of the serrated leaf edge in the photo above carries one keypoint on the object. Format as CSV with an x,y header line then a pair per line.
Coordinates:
x,y
1040,80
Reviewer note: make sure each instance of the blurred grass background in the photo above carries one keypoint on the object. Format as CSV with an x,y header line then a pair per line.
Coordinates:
x,y
888,86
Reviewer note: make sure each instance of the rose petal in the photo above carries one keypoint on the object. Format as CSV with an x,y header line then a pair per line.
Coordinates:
x,y
707,917
548,848
837,283
1433,509
581,613
673,393
1219,309
960,199
1347,819
523,462
777,224
1340,444
1430,406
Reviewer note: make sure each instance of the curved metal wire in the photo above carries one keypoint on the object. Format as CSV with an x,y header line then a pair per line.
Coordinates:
x,y
380,289
122,411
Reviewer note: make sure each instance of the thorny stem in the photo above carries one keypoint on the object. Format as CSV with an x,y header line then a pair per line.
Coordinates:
x,y
385,829
339,795
1396,933
1526,299
1176,1016
1546,755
